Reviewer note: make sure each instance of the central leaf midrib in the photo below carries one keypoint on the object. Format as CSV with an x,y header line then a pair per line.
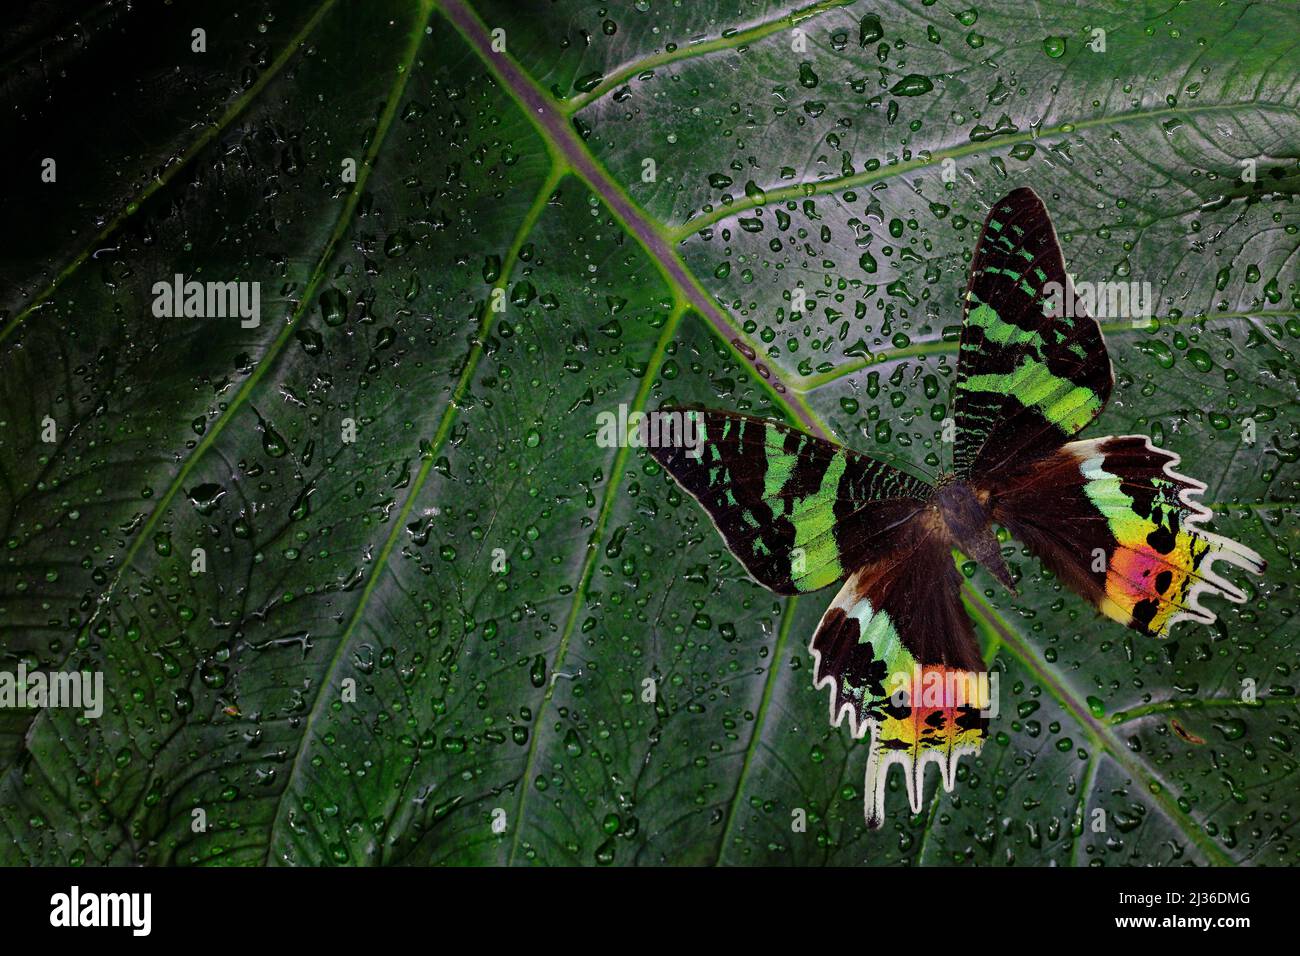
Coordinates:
x,y
554,126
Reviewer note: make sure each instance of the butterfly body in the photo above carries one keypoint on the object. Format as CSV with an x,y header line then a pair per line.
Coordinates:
x,y
968,520
1109,517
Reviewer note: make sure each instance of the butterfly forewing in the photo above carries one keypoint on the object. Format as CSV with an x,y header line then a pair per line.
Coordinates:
x,y
1032,369
798,512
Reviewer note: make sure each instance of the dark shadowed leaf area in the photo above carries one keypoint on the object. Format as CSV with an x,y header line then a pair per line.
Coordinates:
x,y
363,586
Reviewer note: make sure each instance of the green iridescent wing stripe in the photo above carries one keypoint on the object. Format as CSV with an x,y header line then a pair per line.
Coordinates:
x,y
798,512
1027,380
902,663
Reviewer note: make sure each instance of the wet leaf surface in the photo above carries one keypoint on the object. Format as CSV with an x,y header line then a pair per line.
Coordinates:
x,y
429,602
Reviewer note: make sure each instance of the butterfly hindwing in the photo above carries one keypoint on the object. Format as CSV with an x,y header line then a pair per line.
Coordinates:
x,y
1113,520
1031,372
898,654
798,512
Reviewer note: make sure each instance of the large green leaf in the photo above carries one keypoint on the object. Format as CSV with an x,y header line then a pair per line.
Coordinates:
x,y
497,586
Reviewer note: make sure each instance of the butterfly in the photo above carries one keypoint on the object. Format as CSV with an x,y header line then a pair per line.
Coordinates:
x,y
1109,517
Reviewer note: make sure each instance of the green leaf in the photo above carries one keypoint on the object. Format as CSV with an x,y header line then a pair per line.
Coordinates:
x,y
471,634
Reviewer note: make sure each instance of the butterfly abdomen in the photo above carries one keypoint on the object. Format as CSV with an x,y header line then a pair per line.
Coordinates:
x,y
968,521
